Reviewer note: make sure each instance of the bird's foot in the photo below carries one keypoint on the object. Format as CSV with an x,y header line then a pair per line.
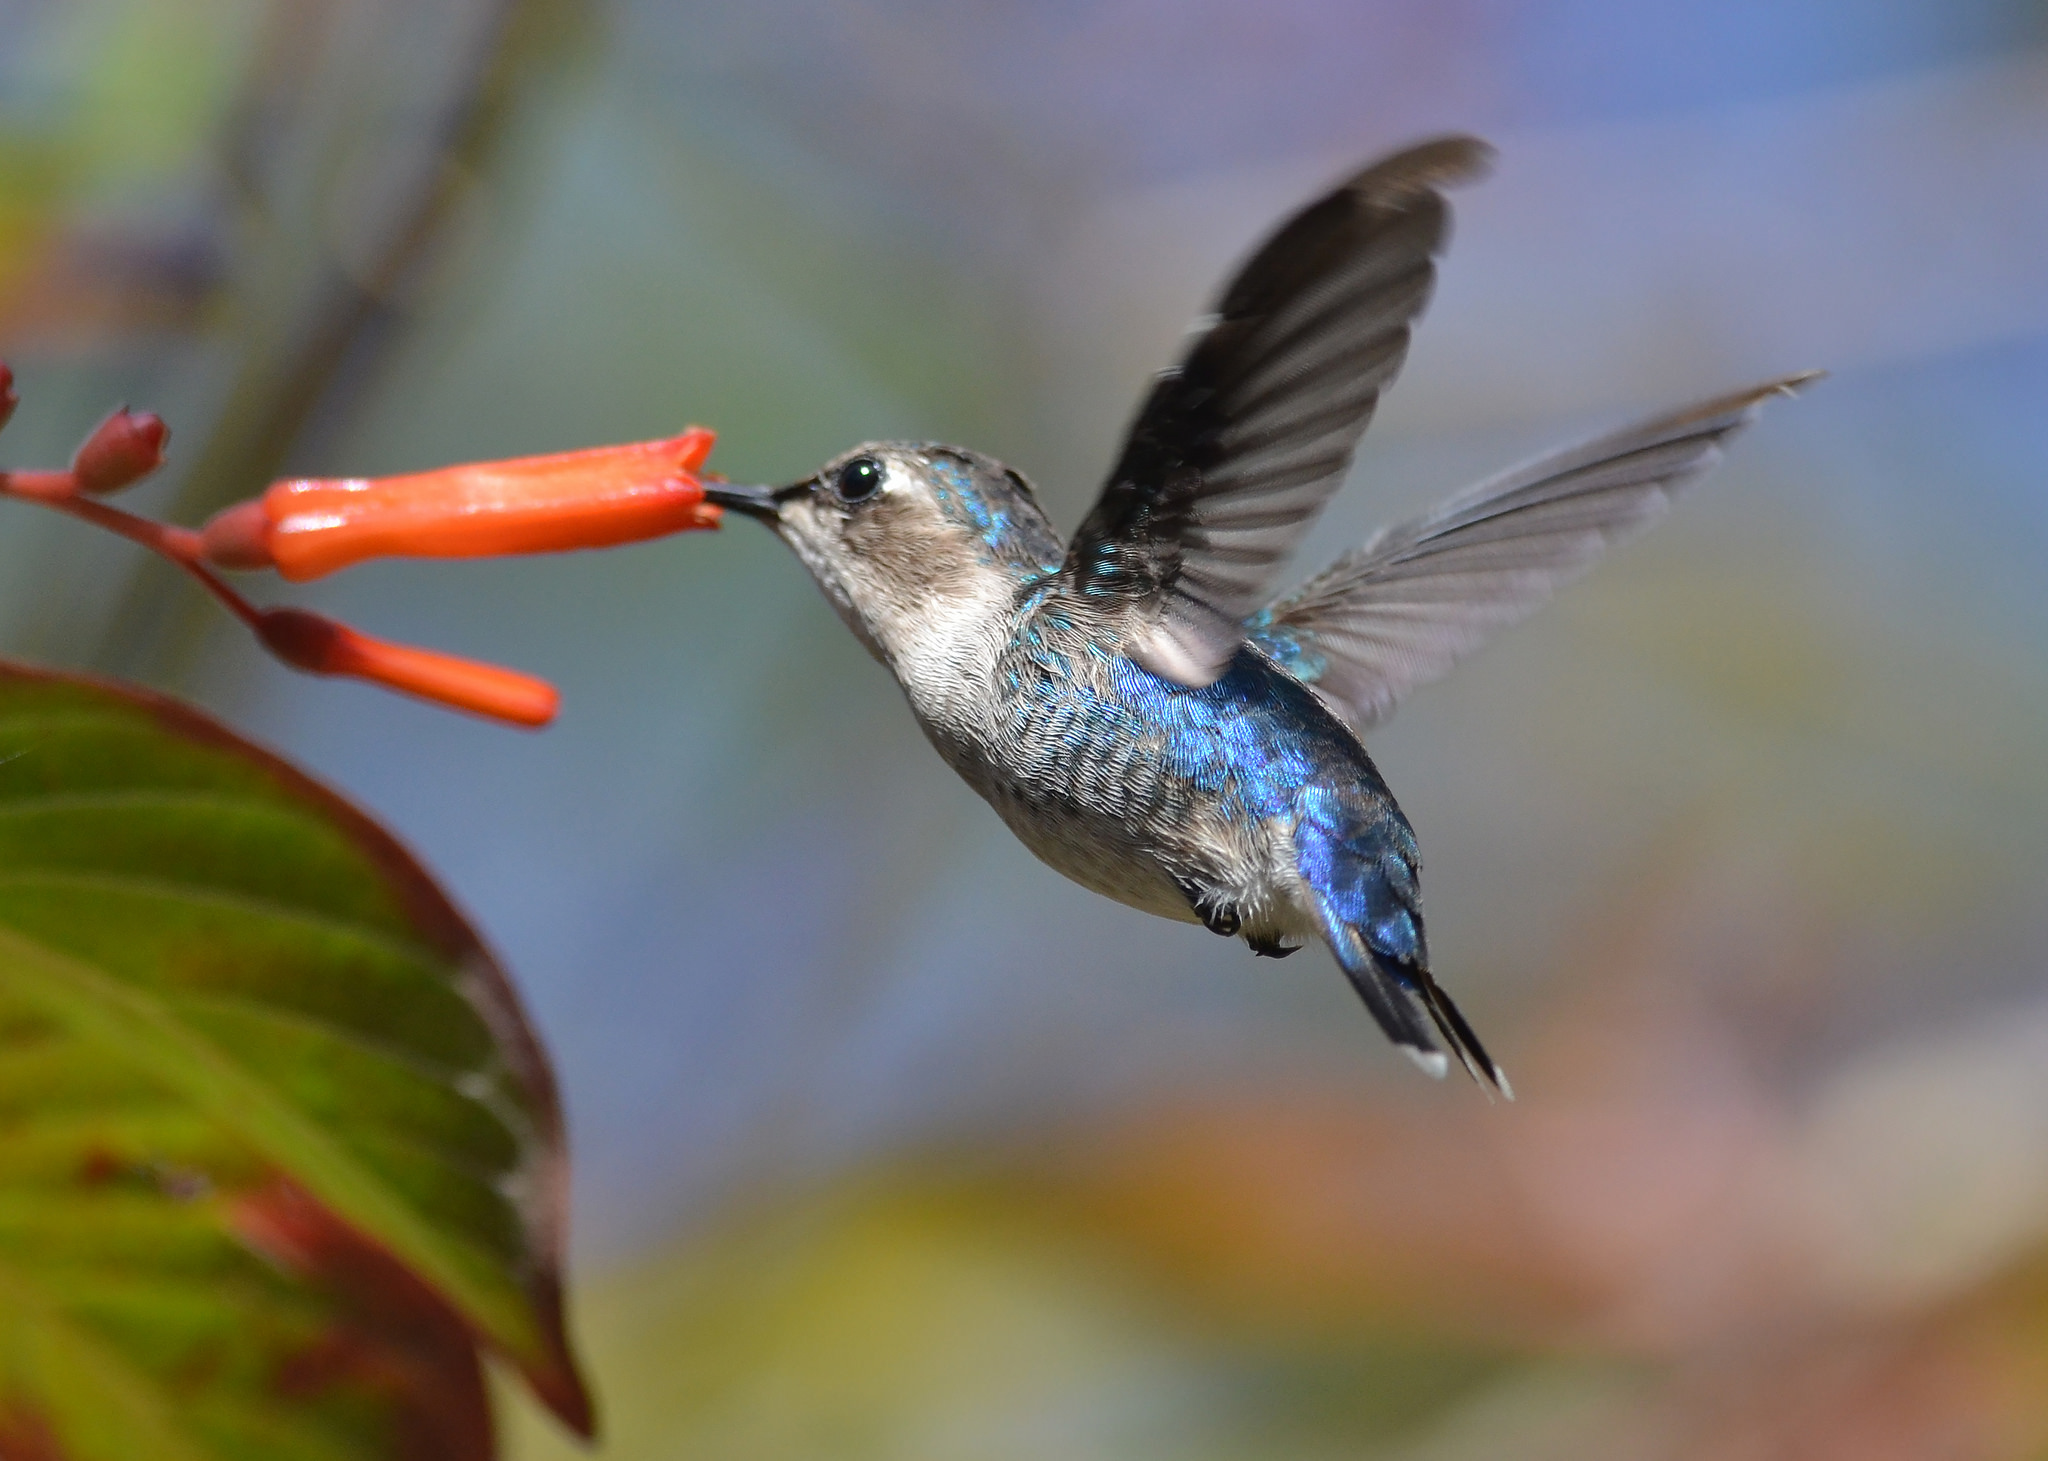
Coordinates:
x,y
1218,920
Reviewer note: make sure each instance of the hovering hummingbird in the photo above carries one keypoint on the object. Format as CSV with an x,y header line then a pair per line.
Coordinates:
x,y
1129,702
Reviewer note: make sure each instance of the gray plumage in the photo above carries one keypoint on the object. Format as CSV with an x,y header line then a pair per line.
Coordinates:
x,y
1402,608
1127,705
1239,446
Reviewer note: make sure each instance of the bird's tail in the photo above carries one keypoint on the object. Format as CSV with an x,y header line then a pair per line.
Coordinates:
x,y
1399,993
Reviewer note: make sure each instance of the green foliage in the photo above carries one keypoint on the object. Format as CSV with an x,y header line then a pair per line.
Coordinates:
x,y
276,1144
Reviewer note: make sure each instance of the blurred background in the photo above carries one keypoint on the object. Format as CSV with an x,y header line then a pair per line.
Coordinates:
x,y
892,1144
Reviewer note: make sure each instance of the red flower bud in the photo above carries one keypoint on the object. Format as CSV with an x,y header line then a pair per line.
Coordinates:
x,y
580,499
123,449
324,647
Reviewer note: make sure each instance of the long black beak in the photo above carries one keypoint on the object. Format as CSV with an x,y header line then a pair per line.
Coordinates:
x,y
757,502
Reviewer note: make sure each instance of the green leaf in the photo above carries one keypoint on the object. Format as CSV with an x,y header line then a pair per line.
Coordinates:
x,y
278,1148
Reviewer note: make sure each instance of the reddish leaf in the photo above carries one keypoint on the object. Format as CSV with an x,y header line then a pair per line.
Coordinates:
x,y
237,1018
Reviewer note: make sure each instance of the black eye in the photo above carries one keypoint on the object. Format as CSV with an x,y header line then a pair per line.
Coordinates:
x,y
858,480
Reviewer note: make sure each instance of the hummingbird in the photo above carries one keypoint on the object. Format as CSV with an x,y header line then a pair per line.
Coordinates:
x,y
1131,703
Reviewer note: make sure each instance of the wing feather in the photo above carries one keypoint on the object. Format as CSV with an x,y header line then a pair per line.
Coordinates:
x,y
1238,447
1405,606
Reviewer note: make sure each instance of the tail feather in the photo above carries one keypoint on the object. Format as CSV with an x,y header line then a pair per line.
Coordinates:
x,y
1389,1003
1398,996
1458,1034
1394,1010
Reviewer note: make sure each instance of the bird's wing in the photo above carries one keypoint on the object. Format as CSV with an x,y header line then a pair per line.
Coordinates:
x,y
1403,608
1240,445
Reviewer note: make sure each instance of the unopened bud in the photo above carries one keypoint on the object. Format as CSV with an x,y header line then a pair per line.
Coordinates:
x,y
123,449
325,647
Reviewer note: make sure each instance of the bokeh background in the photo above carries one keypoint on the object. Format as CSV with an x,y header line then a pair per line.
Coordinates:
x,y
890,1143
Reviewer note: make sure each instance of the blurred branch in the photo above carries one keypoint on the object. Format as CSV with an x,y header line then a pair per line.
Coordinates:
x,y
335,268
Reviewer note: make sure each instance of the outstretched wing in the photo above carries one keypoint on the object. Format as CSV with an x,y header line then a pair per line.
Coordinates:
x,y
1407,605
1240,445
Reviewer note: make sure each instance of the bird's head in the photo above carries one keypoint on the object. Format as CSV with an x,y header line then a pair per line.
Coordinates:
x,y
903,535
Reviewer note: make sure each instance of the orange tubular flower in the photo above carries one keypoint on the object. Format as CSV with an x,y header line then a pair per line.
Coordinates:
x,y
582,499
305,528
325,647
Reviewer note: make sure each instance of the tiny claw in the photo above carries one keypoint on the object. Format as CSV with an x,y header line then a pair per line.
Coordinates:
x,y
323,646
122,450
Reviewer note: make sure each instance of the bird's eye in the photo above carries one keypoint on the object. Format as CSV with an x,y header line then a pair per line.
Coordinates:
x,y
858,480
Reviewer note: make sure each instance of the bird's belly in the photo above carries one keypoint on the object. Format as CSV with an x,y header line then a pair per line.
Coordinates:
x,y
1088,804
1150,793
1095,853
